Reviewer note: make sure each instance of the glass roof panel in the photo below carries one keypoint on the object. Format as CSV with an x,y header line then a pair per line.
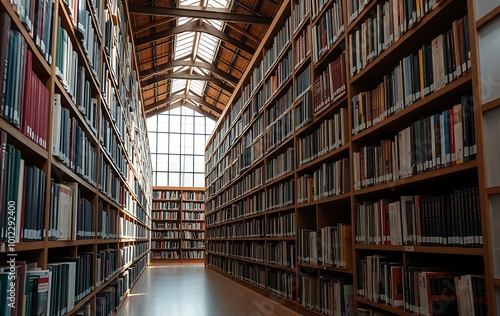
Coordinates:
x,y
207,45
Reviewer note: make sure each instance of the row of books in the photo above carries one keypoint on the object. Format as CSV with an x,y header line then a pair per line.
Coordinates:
x,y
302,47
438,141
328,246
330,135
107,224
282,283
304,110
280,43
89,36
218,247
255,274
171,234
327,30
301,9
451,219
194,244
255,80
422,289
165,205
168,195
111,145
165,225
331,84
193,225
71,214
156,244
415,77
283,71
303,82
37,17
107,264
281,226
327,294
280,195
193,216
165,254
131,252
70,144
24,100
252,229
279,131
281,165
132,230
110,182
385,25
197,206
193,254
250,154
330,179
165,215
280,107
193,235
193,196
281,253
22,189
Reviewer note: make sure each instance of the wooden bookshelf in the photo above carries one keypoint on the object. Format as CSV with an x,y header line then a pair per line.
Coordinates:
x,y
110,202
239,199
188,228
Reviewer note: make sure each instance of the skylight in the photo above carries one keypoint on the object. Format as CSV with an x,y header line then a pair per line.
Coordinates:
x,y
196,46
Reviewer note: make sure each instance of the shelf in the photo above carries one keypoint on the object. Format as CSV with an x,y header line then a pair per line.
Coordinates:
x,y
286,238
414,37
277,60
496,282
390,309
22,142
430,104
488,17
335,198
67,25
275,266
70,243
493,190
65,97
469,251
41,66
327,56
166,200
417,179
490,105
323,267
74,177
317,162
320,116
22,246
280,148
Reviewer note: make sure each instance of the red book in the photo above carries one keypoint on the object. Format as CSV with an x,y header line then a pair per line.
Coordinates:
x,y
397,294
28,95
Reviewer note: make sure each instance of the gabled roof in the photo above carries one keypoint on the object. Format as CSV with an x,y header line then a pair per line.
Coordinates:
x,y
193,52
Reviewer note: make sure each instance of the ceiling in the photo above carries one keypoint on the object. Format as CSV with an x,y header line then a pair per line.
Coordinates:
x,y
193,52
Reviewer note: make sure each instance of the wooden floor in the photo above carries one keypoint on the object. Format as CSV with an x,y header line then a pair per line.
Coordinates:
x,y
192,290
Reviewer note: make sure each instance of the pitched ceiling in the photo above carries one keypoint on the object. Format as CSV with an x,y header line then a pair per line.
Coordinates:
x,y
193,52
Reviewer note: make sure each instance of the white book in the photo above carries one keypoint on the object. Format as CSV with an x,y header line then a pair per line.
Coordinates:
x,y
458,131
64,212
56,124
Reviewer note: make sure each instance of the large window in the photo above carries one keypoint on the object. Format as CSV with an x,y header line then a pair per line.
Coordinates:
x,y
177,141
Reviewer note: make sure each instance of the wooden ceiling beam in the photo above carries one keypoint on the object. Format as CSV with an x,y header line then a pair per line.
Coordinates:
x,y
194,26
156,23
200,13
186,76
180,63
176,97
171,106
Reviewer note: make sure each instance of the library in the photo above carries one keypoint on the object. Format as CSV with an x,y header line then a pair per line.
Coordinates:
x,y
249,157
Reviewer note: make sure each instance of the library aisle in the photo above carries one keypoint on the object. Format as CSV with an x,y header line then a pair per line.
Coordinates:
x,y
191,290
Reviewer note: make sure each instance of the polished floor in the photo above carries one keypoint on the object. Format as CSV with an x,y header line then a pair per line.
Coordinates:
x,y
193,290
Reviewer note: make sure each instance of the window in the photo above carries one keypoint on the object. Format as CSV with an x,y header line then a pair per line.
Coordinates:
x,y
178,148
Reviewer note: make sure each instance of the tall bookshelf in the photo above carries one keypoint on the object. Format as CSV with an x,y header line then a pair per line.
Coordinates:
x,y
75,164
343,158
178,225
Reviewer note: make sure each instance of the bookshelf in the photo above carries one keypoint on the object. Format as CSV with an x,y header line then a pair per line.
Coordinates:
x,y
75,166
178,225
363,160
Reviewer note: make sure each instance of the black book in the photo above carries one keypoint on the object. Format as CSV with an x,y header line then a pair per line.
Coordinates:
x,y
5,22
